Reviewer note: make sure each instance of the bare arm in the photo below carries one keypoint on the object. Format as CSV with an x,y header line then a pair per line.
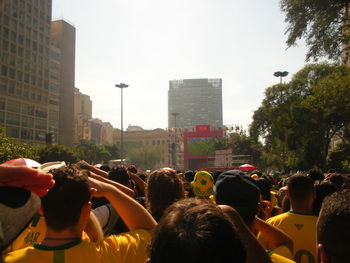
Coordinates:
x,y
138,181
255,252
134,215
85,165
273,235
123,188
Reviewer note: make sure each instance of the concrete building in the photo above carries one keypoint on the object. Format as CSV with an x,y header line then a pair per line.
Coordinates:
x,y
82,116
63,38
136,137
194,102
24,63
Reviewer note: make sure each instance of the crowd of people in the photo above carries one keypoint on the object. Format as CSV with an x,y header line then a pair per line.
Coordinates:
x,y
80,213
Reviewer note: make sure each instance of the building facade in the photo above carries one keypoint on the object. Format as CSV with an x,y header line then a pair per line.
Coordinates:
x,y
136,137
194,102
24,64
63,38
82,116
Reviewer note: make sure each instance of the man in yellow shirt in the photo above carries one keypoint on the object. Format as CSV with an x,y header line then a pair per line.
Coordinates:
x,y
299,223
67,208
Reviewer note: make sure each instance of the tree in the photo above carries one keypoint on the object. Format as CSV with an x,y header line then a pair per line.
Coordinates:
x,y
52,153
339,159
12,149
145,157
297,120
323,23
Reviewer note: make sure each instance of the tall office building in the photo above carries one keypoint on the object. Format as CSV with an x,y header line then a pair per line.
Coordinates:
x,y
63,38
24,63
194,102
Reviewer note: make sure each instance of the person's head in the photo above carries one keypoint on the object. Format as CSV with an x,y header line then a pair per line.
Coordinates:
x,y
164,187
337,180
323,189
189,175
239,191
265,188
316,174
333,228
195,231
203,184
105,167
120,175
132,168
301,190
67,204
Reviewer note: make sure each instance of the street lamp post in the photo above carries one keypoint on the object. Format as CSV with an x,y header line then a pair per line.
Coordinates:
x,y
121,86
174,145
281,74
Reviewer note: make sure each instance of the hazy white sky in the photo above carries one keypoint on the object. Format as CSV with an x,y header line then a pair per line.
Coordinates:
x,y
147,43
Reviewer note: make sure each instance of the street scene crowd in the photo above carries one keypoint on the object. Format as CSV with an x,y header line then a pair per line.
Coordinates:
x,y
62,212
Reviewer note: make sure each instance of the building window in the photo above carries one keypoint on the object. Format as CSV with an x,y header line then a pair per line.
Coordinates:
x,y
28,109
13,106
40,124
12,118
40,136
41,112
27,134
12,131
2,117
27,122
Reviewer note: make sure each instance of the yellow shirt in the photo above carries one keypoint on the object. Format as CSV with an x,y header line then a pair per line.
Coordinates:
x,y
302,229
32,234
129,247
280,254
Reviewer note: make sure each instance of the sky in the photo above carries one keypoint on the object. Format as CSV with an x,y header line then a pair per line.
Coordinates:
x,y
147,43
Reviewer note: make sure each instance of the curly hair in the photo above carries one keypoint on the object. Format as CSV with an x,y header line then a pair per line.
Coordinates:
x,y
164,187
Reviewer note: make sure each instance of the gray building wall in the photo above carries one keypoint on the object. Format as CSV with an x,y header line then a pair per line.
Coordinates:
x,y
24,64
197,102
63,37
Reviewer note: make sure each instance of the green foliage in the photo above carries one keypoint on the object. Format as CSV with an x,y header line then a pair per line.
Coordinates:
x,y
92,153
52,153
323,23
297,120
12,149
339,159
145,157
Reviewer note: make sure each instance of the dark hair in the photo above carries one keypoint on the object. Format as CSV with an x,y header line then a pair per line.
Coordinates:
x,y
63,203
323,189
333,226
105,167
189,176
192,231
164,187
265,188
300,187
316,174
120,175
337,180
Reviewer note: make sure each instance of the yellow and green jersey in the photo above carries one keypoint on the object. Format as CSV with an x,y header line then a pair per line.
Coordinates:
x,y
130,247
32,234
302,229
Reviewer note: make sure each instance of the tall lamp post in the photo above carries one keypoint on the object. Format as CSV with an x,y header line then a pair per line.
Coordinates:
x,y
121,86
174,145
281,74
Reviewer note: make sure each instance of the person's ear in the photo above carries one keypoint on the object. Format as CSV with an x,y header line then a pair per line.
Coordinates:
x,y
322,255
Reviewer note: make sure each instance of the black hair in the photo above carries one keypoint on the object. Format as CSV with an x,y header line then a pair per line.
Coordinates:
x,y
120,175
333,226
300,187
195,231
316,174
323,189
63,203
